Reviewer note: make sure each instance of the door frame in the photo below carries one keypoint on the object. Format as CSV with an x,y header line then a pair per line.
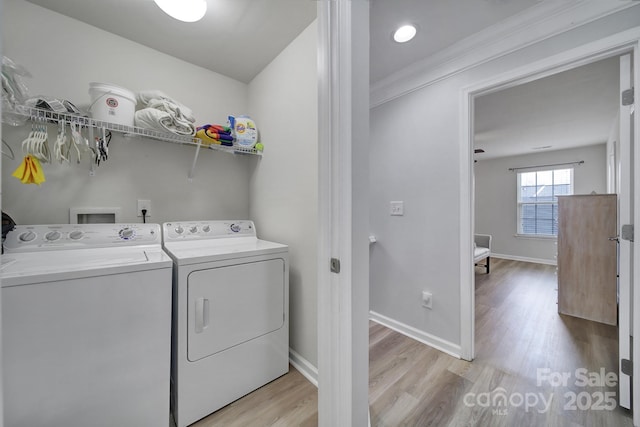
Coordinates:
x,y
615,45
343,227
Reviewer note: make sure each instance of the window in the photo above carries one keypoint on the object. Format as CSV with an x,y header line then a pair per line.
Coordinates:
x,y
538,202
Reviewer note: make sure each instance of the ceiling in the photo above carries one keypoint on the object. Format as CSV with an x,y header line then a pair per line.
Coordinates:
x,y
440,23
566,110
238,38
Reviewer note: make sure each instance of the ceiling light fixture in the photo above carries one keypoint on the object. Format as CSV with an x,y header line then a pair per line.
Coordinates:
x,y
404,33
183,10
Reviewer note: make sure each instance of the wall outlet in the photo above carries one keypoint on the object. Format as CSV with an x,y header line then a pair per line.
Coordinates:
x,y
144,204
427,299
396,208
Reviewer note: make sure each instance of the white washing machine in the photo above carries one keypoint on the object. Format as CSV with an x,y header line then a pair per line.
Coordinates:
x,y
231,314
86,326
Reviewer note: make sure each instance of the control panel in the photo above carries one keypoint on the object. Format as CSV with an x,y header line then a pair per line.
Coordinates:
x,y
25,238
196,230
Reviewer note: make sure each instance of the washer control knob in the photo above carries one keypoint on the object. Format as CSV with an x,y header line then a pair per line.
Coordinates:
x,y
52,236
235,228
27,236
193,229
127,233
76,235
179,229
206,229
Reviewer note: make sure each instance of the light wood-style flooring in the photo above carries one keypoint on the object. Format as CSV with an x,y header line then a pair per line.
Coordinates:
x,y
519,338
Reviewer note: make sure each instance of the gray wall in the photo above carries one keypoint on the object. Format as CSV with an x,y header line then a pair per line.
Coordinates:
x,y
284,182
137,168
278,190
496,198
415,157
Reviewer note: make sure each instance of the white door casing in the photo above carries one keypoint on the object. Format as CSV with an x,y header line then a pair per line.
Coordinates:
x,y
625,216
635,306
343,297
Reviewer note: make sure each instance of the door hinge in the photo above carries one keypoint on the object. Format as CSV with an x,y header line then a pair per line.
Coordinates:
x,y
626,366
627,97
335,265
627,232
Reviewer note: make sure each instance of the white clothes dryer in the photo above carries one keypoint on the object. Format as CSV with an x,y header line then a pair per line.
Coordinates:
x,y
86,326
230,314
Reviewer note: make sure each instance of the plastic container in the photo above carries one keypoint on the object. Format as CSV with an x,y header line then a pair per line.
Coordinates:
x,y
111,103
245,131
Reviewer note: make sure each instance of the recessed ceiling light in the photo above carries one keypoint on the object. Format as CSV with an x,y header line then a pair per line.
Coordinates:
x,y
404,33
183,10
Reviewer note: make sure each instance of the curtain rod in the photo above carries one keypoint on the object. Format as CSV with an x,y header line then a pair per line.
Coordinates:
x,y
546,166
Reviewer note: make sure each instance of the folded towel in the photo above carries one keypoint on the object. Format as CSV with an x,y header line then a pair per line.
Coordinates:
x,y
208,138
221,137
202,134
163,121
219,129
147,97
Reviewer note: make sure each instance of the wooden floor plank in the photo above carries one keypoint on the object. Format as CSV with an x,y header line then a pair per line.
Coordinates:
x,y
518,333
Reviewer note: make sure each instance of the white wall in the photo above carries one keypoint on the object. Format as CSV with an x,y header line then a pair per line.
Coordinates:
x,y
64,55
284,199
415,158
496,197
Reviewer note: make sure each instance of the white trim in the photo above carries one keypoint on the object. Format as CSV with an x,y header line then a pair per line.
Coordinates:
x,y
538,23
342,323
303,366
327,360
416,334
609,46
525,259
467,230
625,248
635,308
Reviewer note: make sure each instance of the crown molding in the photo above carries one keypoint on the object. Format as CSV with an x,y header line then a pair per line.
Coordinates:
x,y
540,22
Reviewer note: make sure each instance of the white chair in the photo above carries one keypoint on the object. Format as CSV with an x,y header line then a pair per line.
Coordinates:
x,y
482,250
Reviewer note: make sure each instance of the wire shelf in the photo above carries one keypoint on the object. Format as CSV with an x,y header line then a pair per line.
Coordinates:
x,y
39,114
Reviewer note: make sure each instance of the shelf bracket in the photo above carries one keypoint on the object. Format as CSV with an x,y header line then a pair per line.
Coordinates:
x,y
195,159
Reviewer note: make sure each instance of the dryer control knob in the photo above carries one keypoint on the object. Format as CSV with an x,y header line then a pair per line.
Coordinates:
x,y
206,229
76,235
193,229
127,233
179,229
52,236
27,236
235,228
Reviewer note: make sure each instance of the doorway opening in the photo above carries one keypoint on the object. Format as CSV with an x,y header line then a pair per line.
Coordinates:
x,y
550,67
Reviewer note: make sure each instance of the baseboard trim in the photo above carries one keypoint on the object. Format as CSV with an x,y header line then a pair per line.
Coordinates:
x,y
418,335
525,259
303,366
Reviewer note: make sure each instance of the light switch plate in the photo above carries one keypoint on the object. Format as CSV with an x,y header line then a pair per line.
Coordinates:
x,y
397,208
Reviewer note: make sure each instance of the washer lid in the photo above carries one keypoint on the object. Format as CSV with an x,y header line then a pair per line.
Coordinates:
x,y
35,267
196,251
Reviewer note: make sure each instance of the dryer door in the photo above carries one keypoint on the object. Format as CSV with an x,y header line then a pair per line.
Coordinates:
x,y
233,304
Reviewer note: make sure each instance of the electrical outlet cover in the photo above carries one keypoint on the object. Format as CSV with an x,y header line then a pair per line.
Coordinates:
x,y
144,204
397,208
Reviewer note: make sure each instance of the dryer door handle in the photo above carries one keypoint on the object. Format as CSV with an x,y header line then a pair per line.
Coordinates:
x,y
202,314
